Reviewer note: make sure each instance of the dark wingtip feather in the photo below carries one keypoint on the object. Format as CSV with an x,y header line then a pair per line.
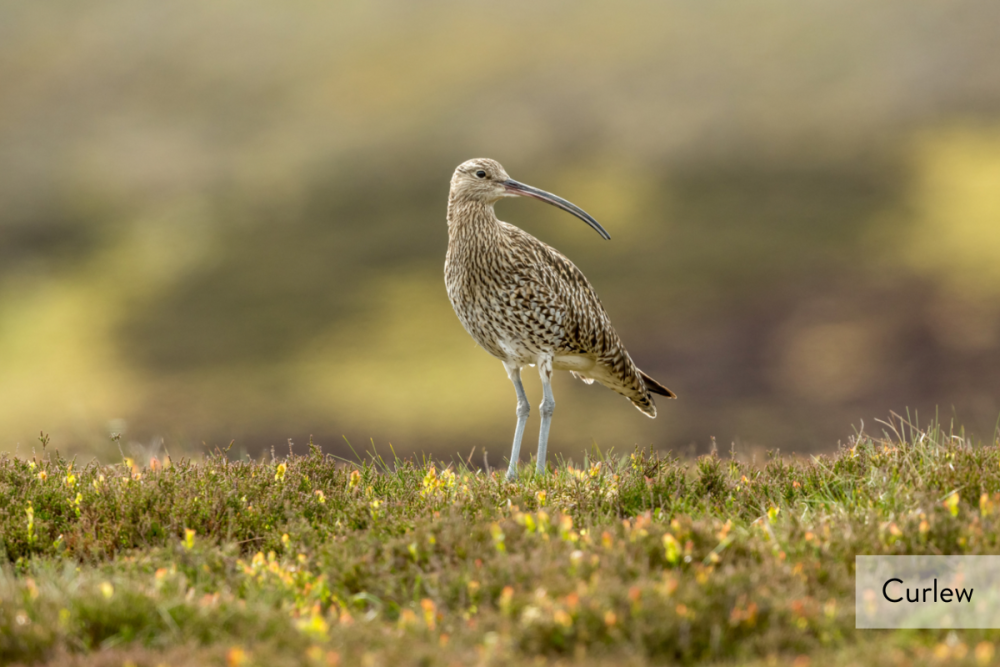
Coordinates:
x,y
654,387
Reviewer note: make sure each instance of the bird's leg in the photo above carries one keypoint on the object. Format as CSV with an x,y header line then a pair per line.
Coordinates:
x,y
523,409
546,409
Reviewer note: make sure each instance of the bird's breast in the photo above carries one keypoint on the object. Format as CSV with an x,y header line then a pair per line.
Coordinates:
x,y
505,311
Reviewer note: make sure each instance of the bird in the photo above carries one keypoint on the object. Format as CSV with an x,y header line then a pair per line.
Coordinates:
x,y
527,304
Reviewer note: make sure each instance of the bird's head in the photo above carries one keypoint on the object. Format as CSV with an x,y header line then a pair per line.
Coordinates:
x,y
484,181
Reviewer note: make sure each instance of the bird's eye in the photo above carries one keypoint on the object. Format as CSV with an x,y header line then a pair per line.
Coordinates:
x,y
481,174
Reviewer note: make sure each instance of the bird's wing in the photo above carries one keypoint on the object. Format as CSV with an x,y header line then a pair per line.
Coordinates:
x,y
585,326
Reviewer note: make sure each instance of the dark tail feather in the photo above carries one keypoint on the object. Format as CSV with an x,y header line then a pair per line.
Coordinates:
x,y
654,387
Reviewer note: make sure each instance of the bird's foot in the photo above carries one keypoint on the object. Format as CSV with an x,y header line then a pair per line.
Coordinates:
x,y
512,474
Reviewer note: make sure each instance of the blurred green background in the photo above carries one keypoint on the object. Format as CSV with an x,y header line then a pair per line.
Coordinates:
x,y
226,220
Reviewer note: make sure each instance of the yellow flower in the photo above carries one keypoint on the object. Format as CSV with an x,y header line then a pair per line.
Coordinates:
x,y
985,504
314,626
506,597
498,537
984,653
30,512
236,657
107,590
673,549
952,503
430,612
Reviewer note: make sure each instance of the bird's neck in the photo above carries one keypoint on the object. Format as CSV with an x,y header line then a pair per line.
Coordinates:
x,y
469,220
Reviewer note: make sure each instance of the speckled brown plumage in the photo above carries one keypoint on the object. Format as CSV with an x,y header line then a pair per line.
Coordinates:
x,y
523,301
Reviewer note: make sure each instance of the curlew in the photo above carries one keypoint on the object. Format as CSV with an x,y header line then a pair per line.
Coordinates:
x,y
526,304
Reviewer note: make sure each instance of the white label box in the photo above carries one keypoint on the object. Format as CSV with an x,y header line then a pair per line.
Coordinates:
x,y
927,592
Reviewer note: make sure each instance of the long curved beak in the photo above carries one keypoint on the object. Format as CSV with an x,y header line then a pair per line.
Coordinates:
x,y
522,190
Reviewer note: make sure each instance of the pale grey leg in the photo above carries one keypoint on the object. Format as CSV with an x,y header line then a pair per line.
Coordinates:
x,y
546,409
523,410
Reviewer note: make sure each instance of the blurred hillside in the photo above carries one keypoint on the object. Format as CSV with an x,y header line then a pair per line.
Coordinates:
x,y
226,220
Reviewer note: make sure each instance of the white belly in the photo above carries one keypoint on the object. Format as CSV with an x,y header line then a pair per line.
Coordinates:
x,y
572,362
517,353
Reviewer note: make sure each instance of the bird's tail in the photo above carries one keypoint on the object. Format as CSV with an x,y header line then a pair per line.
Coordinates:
x,y
654,387
644,402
